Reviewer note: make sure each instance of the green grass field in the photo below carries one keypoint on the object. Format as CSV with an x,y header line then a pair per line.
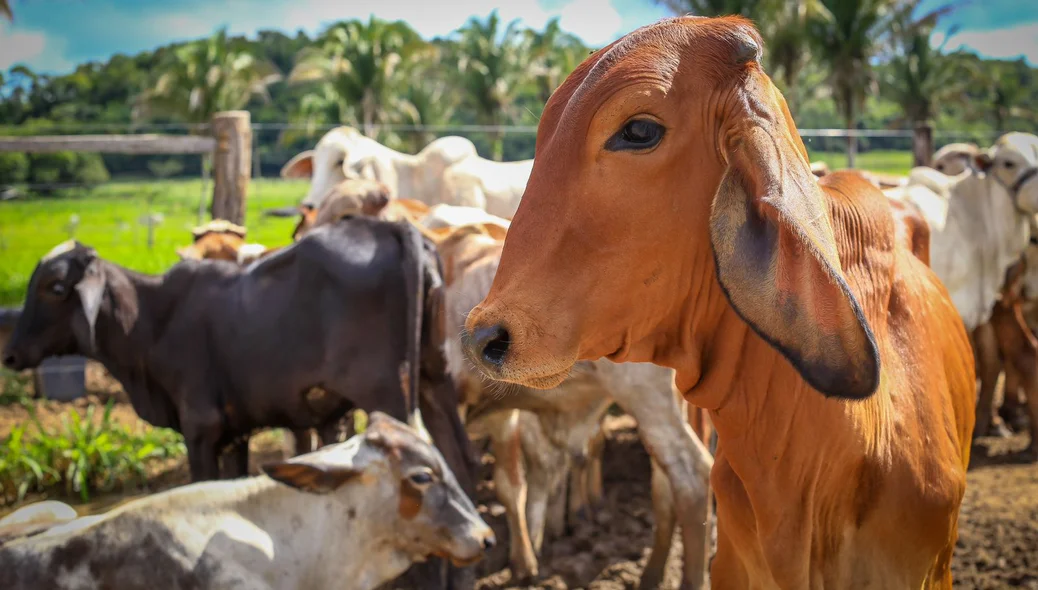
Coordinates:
x,y
110,219
884,162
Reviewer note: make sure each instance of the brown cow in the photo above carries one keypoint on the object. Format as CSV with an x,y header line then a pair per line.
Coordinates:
x,y
359,197
671,217
1014,320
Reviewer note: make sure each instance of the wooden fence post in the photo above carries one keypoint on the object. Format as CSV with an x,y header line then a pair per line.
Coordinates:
x,y
232,165
922,145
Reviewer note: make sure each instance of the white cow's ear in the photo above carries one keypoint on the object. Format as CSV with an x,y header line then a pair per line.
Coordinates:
x,y
301,166
314,478
91,290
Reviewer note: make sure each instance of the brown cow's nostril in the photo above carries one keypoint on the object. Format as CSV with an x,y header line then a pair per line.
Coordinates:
x,y
492,344
489,542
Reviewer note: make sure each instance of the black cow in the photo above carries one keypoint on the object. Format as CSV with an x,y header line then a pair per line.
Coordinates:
x,y
216,351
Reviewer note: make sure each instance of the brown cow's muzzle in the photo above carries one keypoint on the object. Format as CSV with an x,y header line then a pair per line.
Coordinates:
x,y
510,347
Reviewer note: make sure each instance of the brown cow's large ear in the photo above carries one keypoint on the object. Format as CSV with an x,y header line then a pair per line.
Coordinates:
x,y
91,289
777,263
314,478
301,166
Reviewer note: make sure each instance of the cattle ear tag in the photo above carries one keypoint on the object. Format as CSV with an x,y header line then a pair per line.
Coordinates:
x,y
311,478
91,288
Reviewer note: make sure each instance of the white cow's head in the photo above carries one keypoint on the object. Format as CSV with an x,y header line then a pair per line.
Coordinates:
x,y
1013,163
342,153
954,158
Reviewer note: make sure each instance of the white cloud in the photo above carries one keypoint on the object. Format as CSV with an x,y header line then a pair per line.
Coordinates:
x,y
596,22
1009,43
31,47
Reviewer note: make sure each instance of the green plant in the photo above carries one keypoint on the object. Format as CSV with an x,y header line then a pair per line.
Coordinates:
x,y
14,388
82,456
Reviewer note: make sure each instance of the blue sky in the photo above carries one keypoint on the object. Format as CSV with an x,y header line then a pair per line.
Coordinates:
x,y
54,35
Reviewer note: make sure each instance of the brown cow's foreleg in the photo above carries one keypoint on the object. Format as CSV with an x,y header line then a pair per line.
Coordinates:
x,y
595,489
985,351
511,485
1014,409
663,534
1026,367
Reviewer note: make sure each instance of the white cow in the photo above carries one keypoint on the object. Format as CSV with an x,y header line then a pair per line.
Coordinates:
x,y
351,515
345,153
447,171
979,221
443,216
496,187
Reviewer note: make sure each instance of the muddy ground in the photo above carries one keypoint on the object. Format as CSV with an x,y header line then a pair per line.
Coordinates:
x,y
998,531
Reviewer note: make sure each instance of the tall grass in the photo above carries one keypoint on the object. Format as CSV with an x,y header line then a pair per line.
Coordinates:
x,y
80,457
112,218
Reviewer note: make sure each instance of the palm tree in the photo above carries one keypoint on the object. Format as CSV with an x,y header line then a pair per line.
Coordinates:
x,y
426,101
491,67
5,9
787,43
847,39
362,64
205,77
919,77
555,55
1008,94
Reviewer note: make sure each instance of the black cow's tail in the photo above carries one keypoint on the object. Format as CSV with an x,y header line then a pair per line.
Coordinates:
x,y
414,279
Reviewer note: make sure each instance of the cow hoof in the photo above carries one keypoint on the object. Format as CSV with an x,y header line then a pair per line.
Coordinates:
x,y
522,575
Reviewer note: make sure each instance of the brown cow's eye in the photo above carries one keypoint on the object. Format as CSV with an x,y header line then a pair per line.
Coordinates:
x,y
1008,165
58,289
639,134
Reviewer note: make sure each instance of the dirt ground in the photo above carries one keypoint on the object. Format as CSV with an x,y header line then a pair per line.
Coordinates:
x,y
998,525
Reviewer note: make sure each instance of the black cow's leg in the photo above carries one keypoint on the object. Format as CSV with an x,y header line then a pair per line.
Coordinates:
x,y
202,459
438,402
236,460
202,432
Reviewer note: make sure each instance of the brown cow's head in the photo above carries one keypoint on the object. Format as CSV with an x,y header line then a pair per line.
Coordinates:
x,y
670,183
219,240
61,306
430,514
346,199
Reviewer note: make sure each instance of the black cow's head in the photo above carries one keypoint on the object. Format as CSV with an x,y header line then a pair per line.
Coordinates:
x,y
61,307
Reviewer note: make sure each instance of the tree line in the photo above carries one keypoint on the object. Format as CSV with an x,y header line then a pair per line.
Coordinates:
x,y
865,64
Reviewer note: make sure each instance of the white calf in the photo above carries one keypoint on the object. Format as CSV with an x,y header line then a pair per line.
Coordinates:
x,y
355,515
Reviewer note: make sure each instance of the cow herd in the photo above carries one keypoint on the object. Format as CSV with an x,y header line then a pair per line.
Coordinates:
x,y
669,246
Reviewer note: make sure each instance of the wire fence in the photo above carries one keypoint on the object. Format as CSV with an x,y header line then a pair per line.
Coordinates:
x,y
138,209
